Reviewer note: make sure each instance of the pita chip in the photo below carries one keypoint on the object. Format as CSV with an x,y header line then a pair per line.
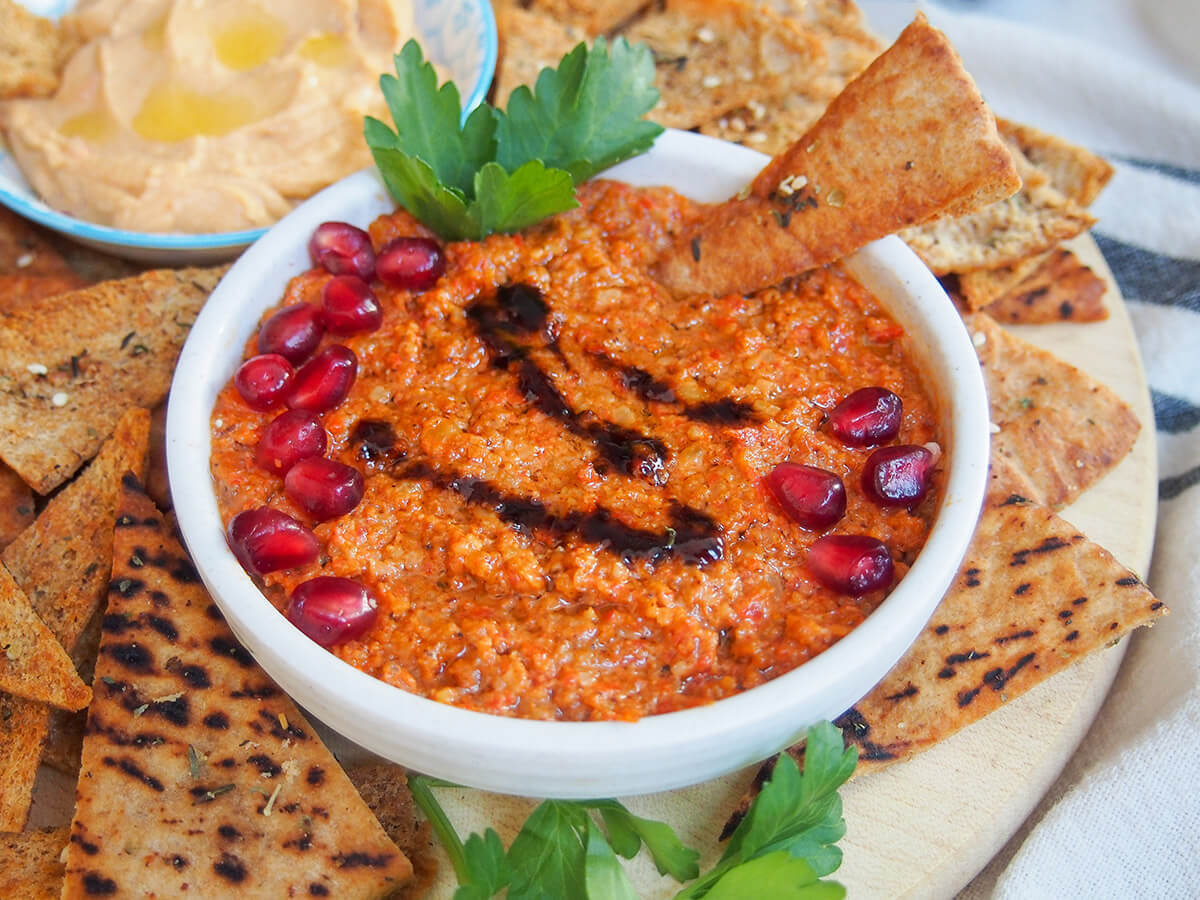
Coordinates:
x,y
1060,289
594,17
29,53
1060,430
33,664
384,788
1032,597
198,772
17,508
713,56
30,864
908,140
531,41
1076,173
75,362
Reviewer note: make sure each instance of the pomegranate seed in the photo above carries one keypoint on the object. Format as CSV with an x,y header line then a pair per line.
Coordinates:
x,y
324,381
331,610
293,333
898,476
349,305
342,249
813,497
868,416
263,380
266,540
851,564
411,263
292,436
324,488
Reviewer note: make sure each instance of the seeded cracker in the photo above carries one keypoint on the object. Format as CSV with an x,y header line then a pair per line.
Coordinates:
x,y
1060,289
713,56
199,774
62,562
104,349
908,140
1033,596
1060,430
33,664
29,53
30,864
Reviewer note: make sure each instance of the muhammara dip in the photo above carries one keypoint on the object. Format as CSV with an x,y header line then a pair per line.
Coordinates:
x,y
184,115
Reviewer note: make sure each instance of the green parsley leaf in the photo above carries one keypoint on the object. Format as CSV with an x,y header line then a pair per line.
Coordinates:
x,y
604,878
547,856
584,116
627,833
501,172
779,876
488,871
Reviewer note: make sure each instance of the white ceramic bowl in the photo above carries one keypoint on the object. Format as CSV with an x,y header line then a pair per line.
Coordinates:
x,y
576,759
459,35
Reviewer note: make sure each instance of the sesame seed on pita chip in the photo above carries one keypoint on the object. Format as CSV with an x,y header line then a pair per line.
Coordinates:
x,y
1032,597
33,664
199,774
1058,429
907,140
30,864
75,362
62,562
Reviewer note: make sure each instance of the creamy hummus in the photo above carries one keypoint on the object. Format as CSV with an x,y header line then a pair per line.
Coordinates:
x,y
206,115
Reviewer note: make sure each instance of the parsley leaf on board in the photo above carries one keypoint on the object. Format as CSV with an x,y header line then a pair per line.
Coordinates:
x,y
627,833
498,171
603,875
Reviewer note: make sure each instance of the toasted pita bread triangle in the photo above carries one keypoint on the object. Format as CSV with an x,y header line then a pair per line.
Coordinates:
x,y
30,864
1060,429
78,360
33,664
384,788
199,774
1032,596
17,508
907,140
1076,173
62,562
1060,289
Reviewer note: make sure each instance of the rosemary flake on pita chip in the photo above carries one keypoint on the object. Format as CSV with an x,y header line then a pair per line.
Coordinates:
x,y
74,362
1060,289
1032,597
33,664
31,864
1059,429
713,56
198,772
908,140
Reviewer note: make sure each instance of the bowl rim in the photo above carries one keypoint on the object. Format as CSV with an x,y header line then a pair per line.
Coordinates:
x,y
480,737
32,207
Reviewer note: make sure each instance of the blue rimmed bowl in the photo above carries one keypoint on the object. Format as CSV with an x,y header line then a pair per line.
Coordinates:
x,y
458,35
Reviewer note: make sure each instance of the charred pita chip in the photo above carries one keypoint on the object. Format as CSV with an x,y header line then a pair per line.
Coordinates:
x,y
1029,222
30,864
17,510
62,562
713,56
976,290
1061,289
29,53
33,664
908,139
1059,429
1074,172
384,788
199,774
1032,597
75,362
532,41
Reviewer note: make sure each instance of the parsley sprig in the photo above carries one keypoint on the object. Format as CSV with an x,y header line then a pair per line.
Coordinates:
x,y
780,851
501,171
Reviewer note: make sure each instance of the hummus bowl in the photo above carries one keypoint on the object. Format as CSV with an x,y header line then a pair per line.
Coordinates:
x,y
457,35
557,758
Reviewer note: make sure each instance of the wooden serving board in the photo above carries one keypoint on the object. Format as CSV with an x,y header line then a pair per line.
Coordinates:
x,y
925,827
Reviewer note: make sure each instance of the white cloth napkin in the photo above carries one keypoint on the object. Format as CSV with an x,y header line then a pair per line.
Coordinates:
x,y
1124,818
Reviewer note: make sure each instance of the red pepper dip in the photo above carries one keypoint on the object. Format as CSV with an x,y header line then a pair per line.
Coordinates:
x,y
566,511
